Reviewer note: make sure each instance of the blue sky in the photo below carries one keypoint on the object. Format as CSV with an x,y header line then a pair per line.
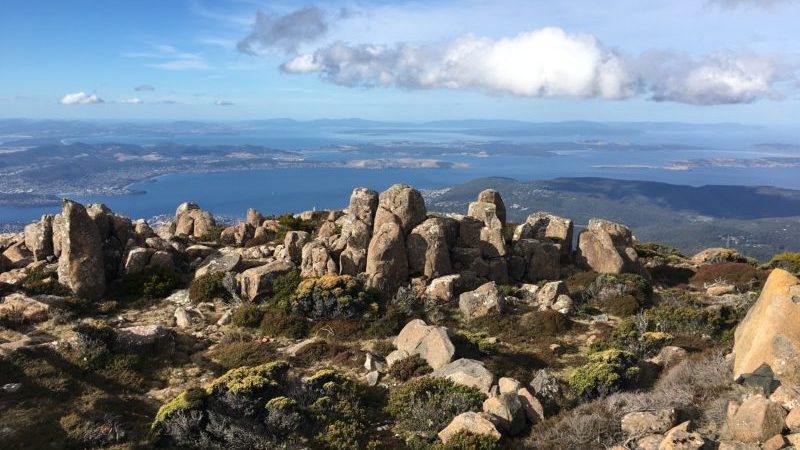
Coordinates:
x,y
625,60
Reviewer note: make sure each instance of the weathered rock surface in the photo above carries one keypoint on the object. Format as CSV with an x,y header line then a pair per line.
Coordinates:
x,y
427,249
431,343
443,289
81,266
316,261
39,238
294,243
648,422
257,281
481,302
403,202
543,226
508,412
769,333
190,220
607,247
468,372
756,419
471,422
387,264
21,308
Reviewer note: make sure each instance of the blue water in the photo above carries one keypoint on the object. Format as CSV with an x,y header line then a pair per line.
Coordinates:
x,y
275,191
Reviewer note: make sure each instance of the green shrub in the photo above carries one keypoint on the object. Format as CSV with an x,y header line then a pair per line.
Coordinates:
x,y
42,280
579,282
383,347
248,316
232,355
332,297
464,440
545,323
277,322
607,371
208,287
410,367
283,288
212,235
152,283
661,253
94,343
786,261
628,336
424,406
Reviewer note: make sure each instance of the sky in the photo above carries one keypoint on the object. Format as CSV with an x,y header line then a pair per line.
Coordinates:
x,y
616,60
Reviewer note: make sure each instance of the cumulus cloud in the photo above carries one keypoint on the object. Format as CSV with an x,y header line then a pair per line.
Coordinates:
x,y
545,63
80,98
144,88
714,79
132,101
289,31
223,103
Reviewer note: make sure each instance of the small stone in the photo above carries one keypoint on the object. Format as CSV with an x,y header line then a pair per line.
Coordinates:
x,y
508,385
776,442
373,378
182,319
226,318
12,387
648,422
374,363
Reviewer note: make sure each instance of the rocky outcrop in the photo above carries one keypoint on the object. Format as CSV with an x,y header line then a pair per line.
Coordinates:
x,y
431,343
427,249
257,282
507,412
481,302
607,247
544,226
190,220
81,265
534,260
387,263
467,372
356,232
756,419
294,243
39,238
470,422
769,334
404,203
316,261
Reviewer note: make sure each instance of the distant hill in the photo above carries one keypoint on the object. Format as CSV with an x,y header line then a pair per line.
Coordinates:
x,y
759,221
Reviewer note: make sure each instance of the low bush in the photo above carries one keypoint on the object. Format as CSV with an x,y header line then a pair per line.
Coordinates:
x,y
744,276
607,371
208,287
332,297
464,440
424,406
42,280
248,316
619,294
283,288
151,283
232,355
410,367
578,283
277,322
659,252
632,335
212,235
786,261
545,323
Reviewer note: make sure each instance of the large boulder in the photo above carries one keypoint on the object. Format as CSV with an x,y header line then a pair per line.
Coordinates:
x,y
403,202
427,249
431,343
544,226
294,243
607,247
470,422
507,411
316,261
467,372
756,419
39,238
483,301
81,265
534,260
190,220
356,232
493,197
363,205
387,263
769,332
257,282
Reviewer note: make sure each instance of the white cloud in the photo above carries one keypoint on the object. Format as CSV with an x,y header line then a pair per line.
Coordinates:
x,y
80,98
289,31
544,63
168,57
132,101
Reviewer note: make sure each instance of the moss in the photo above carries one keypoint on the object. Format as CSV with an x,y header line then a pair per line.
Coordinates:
x,y
606,371
628,337
464,440
410,367
787,261
281,403
208,287
423,406
189,399
250,379
660,252
248,316
383,347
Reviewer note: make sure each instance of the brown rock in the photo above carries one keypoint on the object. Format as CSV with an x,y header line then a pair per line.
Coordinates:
x,y
793,420
254,218
294,243
769,333
606,247
471,422
316,261
428,253
39,238
507,411
493,197
481,302
81,266
534,410
787,395
402,202
776,442
387,264
257,281
680,438
648,422
467,372
544,226
20,308
756,419
443,289
436,348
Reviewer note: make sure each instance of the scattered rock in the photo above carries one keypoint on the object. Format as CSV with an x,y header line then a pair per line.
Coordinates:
x,y
387,265
257,281
680,438
648,422
443,289
481,302
468,372
471,422
508,412
534,410
373,378
756,419
508,385
607,247
21,308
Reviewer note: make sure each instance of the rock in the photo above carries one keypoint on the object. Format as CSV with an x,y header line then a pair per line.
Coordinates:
x,y
563,304
357,227
733,445
648,422
718,290
718,255
776,442
163,260
793,420
549,293
535,260
534,410
257,282
39,238
363,205
649,442
471,422
436,348
199,251
680,438
395,356
373,378
607,247
508,412
549,389
190,220
294,242
769,332
756,419
443,289
229,262
316,261
254,218
373,362
427,249
225,318
18,256
544,226
468,372
762,378
787,395
481,302
794,439
296,349
508,385
405,204
81,266
139,337
411,336
21,308
182,318
387,264
669,356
